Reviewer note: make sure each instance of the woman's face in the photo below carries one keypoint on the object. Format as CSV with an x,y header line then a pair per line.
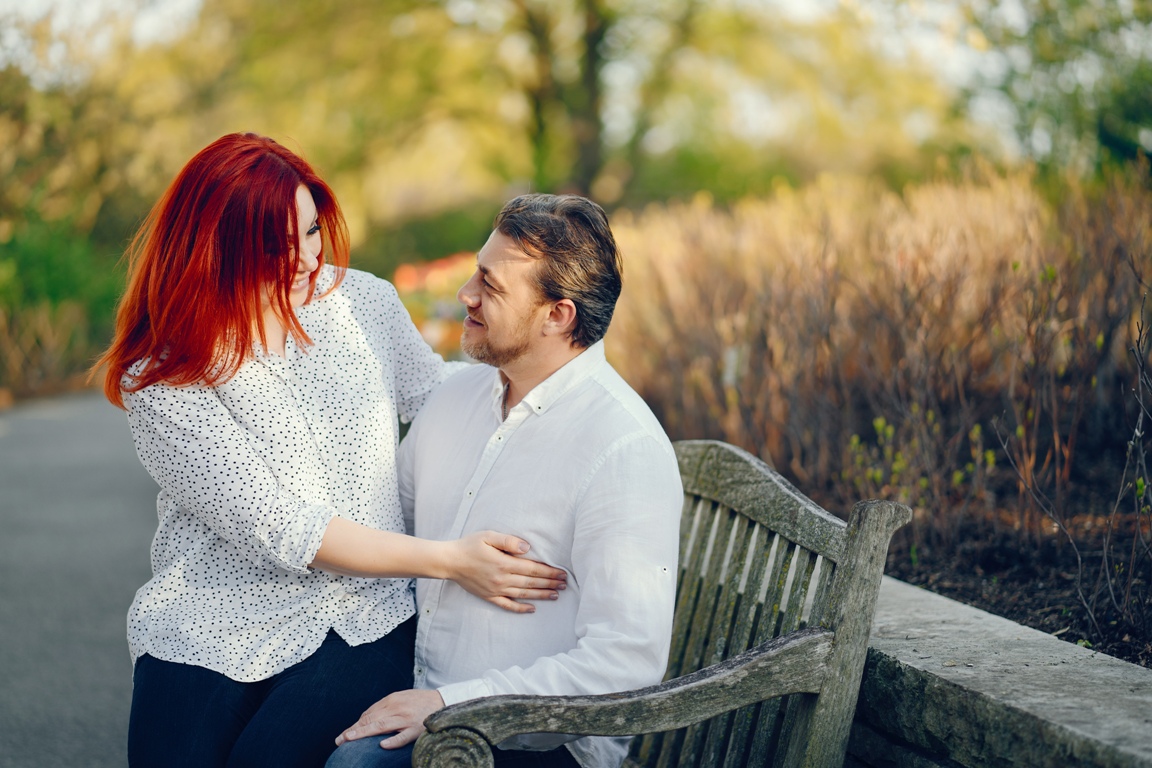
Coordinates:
x,y
308,226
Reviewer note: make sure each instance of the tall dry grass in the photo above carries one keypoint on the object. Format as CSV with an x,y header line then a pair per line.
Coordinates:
x,y
962,346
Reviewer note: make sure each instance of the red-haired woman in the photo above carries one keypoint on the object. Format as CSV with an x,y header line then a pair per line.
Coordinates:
x,y
263,380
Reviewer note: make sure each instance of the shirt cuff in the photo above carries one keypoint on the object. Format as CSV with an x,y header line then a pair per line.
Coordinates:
x,y
454,693
293,547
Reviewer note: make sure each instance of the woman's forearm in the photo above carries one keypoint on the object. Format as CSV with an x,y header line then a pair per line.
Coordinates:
x,y
486,563
352,549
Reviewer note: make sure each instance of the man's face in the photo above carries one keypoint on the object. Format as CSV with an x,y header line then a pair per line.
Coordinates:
x,y
503,303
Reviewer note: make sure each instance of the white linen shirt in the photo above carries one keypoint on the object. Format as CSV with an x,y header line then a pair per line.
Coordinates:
x,y
583,471
250,473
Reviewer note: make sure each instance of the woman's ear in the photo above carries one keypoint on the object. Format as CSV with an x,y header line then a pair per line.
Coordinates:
x,y
561,318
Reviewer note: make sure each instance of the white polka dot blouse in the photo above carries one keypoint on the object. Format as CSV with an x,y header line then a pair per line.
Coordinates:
x,y
250,473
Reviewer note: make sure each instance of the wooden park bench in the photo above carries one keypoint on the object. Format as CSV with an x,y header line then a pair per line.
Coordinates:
x,y
774,606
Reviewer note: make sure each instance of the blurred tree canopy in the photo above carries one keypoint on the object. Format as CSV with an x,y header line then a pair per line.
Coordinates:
x,y
1078,74
425,116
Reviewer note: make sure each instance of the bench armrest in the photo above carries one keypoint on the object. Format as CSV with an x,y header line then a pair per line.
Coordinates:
x,y
795,663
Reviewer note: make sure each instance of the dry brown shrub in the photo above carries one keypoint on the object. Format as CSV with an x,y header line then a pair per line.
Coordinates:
x,y
867,342
42,347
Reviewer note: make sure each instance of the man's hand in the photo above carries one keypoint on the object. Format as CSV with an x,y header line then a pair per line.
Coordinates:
x,y
402,712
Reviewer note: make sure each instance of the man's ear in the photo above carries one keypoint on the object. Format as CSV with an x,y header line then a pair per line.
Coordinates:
x,y
561,318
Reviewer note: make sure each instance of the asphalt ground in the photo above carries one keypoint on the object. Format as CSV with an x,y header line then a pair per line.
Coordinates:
x,y
77,515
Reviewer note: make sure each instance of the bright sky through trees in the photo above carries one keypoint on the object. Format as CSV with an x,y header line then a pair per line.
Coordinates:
x,y
155,20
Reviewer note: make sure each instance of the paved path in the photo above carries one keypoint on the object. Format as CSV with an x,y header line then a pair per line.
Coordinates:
x,y
77,513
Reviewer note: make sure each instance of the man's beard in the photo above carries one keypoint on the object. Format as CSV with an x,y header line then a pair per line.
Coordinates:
x,y
498,356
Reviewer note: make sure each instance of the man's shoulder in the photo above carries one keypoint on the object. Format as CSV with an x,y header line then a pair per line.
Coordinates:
x,y
615,411
618,394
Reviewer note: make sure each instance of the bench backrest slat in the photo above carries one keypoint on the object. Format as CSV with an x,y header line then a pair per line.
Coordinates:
x,y
702,625
764,496
750,544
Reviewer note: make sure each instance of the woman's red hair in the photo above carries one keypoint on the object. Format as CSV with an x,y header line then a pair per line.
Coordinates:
x,y
218,242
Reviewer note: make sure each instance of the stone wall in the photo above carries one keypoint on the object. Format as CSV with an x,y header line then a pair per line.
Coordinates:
x,y
950,685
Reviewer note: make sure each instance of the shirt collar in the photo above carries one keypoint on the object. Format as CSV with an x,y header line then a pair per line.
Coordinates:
x,y
547,392
324,280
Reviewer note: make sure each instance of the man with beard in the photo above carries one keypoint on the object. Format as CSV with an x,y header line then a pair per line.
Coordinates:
x,y
545,440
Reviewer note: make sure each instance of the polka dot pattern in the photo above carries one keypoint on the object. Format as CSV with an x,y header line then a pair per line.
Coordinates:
x,y
250,473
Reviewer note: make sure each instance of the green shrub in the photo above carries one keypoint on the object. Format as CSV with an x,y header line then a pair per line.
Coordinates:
x,y
57,299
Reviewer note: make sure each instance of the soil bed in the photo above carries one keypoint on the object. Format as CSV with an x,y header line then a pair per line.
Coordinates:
x,y
1031,583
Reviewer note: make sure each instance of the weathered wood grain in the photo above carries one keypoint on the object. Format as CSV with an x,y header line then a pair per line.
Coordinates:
x,y
452,748
739,480
784,665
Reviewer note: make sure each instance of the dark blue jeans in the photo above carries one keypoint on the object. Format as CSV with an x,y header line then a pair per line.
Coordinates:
x,y
184,715
367,753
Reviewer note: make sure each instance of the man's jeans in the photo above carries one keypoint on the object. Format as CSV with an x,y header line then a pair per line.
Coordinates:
x,y
367,753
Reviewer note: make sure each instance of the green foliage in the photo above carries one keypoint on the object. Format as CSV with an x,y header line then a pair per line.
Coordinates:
x,y
1124,120
57,295
903,464
1078,74
425,238
49,263
685,171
